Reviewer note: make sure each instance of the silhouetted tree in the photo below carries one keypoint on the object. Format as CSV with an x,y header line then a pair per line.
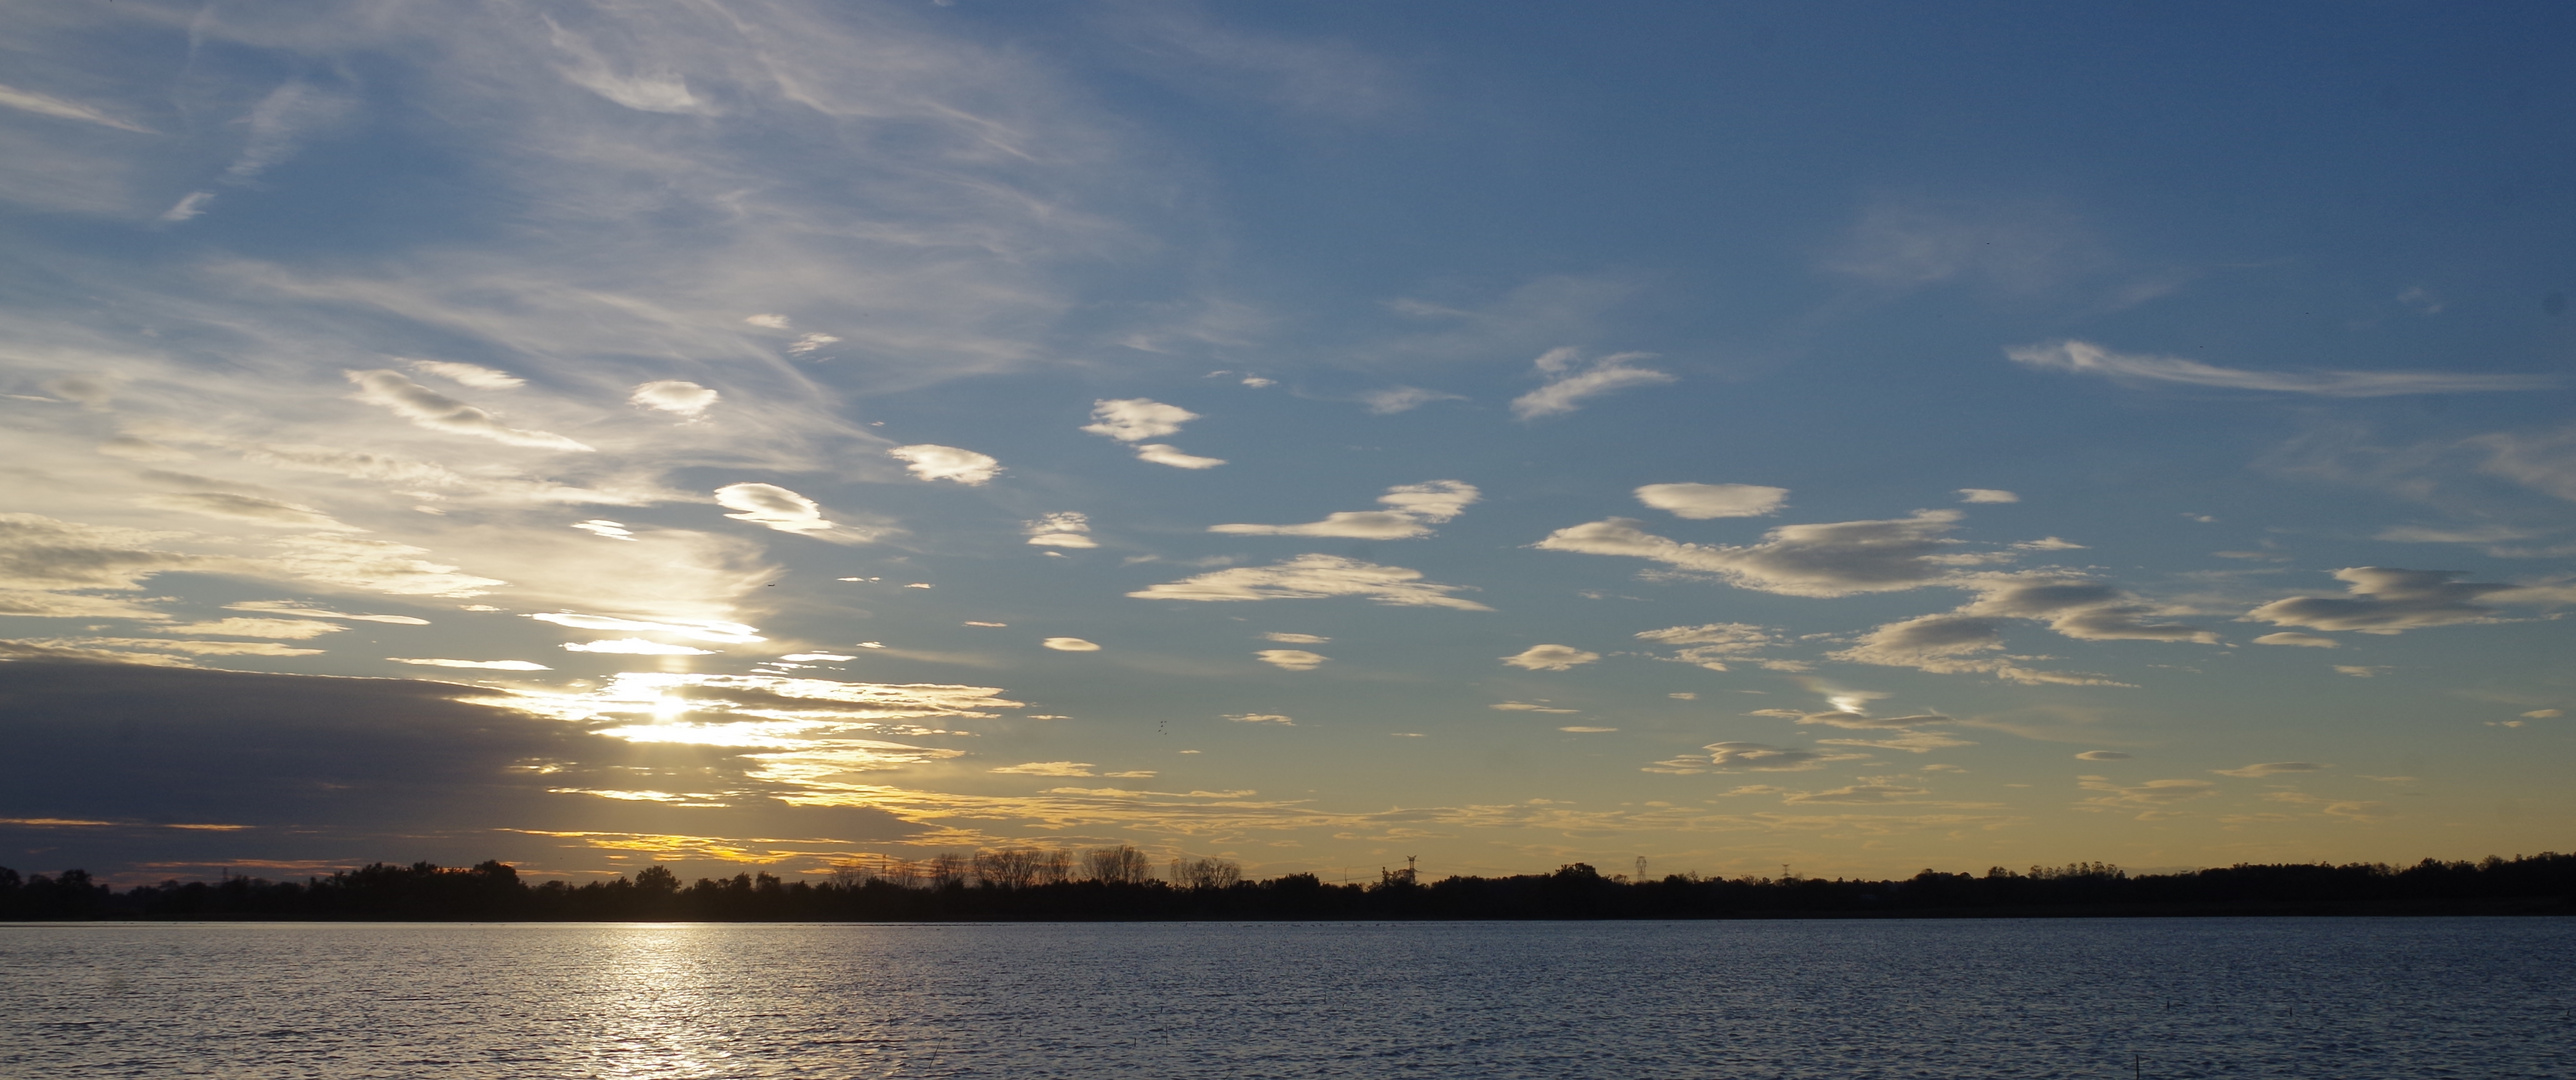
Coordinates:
x,y
1120,865
1206,873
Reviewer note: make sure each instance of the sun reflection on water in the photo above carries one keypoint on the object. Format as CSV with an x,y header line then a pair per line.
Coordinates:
x,y
653,1009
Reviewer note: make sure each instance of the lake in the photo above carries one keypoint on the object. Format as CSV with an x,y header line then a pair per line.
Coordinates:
x,y
2340,998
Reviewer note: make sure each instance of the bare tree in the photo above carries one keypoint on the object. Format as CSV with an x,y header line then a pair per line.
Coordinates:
x,y
1055,867
1206,873
1121,865
1016,868
947,869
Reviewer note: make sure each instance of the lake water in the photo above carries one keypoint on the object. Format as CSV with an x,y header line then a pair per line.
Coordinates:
x,y
2341,998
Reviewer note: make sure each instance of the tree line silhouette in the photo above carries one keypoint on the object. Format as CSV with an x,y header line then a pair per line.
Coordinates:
x,y
1118,883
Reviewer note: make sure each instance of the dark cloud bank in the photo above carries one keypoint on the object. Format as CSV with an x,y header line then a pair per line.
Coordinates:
x,y
138,773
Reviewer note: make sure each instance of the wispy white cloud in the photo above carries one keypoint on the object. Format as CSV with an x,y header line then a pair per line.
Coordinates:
x,y
189,206
2085,358
430,409
2270,768
473,375
1313,577
1396,399
712,631
1700,502
1285,638
288,629
65,109
1292,659
930,461
1571,378
283,607
1261,718
2389,600
489,665
1551,658
1411,511
1987,495
635,647
1753,756
1131,420
1066,529
1167,454
1070,644
1048,768
1713,645
2307,641
773,507
1838,559
678,397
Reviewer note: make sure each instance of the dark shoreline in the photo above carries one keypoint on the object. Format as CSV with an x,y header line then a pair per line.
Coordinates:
x,y
2538,885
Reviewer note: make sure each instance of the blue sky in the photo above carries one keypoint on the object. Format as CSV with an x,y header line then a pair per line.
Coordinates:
x,y
1859,437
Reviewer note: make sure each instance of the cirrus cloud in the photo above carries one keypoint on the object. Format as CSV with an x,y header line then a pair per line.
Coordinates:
x,y
2085,358
1411,511
1571,379
1314,577
435,411
1824,560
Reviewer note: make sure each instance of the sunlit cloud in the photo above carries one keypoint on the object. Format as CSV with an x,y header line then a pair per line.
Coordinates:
x,y
1838,559
1166,454
1701,502
2101,755
1314,577
1757,757
722,633
248,508
1411,511
283,607
1551,658
1295,639
679,397
1064,529
1048,768
773,507
1070,644
2305,641
430,409
1130,420
1713,645
288,629
635,647
2085,358
928,461
1261,718
1292,659
1571,378
1528,706
602,527
492,665
2269,768
473,375
1987,495
63,108
2388,600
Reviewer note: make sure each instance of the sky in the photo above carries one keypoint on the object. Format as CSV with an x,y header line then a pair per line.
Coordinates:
x,y
1845,439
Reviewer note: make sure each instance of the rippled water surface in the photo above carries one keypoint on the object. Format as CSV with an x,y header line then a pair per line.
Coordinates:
x,y
2345,998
